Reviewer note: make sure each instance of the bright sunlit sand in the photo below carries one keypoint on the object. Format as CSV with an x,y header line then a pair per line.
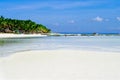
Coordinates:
x,y
61,65
7,35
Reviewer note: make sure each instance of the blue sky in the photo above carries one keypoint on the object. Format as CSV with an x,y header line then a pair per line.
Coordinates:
x,y
102,16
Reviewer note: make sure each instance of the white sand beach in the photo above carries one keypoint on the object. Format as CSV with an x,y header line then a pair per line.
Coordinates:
x,y
7,35
61,65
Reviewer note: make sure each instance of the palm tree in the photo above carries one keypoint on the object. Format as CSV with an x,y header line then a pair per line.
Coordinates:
x,y
21,26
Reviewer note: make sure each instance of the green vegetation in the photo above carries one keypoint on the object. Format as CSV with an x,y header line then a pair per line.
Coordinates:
x,y
8,25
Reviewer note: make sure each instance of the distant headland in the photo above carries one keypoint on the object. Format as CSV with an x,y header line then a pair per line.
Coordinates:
x,y
8,25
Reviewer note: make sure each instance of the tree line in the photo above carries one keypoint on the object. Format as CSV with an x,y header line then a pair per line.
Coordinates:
x,y
8,25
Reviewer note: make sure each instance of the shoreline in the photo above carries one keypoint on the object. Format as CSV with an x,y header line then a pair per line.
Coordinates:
x,y
61,65
11,35
73,50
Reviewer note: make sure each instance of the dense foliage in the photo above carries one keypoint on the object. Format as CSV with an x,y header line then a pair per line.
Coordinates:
x,y
8,25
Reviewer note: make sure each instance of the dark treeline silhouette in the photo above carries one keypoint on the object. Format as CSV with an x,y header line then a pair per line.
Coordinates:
x,y
8,25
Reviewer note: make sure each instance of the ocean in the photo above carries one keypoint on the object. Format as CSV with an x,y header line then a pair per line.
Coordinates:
x,y
97,43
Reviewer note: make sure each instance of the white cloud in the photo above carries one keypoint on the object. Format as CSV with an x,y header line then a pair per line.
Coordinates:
x,y
118,18
71,21
98,19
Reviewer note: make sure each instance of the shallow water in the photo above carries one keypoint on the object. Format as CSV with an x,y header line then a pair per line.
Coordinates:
x,y
98,43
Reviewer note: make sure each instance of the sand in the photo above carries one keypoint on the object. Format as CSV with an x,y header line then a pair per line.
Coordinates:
x,y
61,65
7,35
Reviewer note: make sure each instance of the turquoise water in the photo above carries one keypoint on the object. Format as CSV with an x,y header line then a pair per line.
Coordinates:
x,y
98,43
